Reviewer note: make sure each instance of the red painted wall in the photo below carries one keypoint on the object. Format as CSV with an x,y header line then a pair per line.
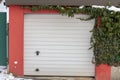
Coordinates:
x,y
16,43
103,72
16,40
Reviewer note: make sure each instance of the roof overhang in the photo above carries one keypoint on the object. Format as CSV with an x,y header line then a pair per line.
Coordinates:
x,y
63,2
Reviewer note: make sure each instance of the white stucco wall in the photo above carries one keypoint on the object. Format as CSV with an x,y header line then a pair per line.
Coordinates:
x,y
4,9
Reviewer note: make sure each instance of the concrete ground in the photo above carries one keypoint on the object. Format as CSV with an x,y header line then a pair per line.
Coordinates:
x,y
115,73
60,78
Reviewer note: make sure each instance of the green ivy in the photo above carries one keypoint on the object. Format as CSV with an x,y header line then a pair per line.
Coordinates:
x,y
105,39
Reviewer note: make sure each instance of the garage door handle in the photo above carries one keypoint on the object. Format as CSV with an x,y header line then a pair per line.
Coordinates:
x,y
37,70
37,53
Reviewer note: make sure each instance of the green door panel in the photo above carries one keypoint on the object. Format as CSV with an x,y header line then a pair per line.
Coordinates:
x,y
3,46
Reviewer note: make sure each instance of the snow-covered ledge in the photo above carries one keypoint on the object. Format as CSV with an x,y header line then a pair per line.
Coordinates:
x,y
113,8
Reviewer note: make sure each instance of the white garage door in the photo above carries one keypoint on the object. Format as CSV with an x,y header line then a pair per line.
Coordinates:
x,y
56,45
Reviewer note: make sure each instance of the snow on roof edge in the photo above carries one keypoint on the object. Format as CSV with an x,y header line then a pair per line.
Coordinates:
x,y
112,8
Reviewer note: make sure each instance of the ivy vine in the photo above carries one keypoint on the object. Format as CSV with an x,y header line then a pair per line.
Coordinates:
x,y
105,39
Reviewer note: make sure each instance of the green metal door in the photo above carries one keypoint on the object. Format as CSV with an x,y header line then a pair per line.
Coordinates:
x,y
3,46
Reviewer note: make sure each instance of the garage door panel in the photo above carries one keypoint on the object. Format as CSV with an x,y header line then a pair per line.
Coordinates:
x,y
35,48
61,39
61,35
76,53
56,16
73,43
60,69
48,73
57,40
59,66
63,44
60,51
61,27
57,43
73,20
56,36
60,55
57,24
59,59
85,63
59,62
57,32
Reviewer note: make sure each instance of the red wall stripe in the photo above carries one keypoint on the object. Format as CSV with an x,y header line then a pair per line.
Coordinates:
x,y
16,40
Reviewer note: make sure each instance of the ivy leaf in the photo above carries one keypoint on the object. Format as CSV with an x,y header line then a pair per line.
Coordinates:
x,y
105,13
108,24
117,58
34,8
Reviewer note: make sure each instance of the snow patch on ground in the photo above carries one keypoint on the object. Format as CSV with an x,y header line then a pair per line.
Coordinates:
x,y
5,76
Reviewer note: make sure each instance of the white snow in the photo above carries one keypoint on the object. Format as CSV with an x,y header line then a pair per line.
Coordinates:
x,y
96,6
5,76
2,7
113,8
